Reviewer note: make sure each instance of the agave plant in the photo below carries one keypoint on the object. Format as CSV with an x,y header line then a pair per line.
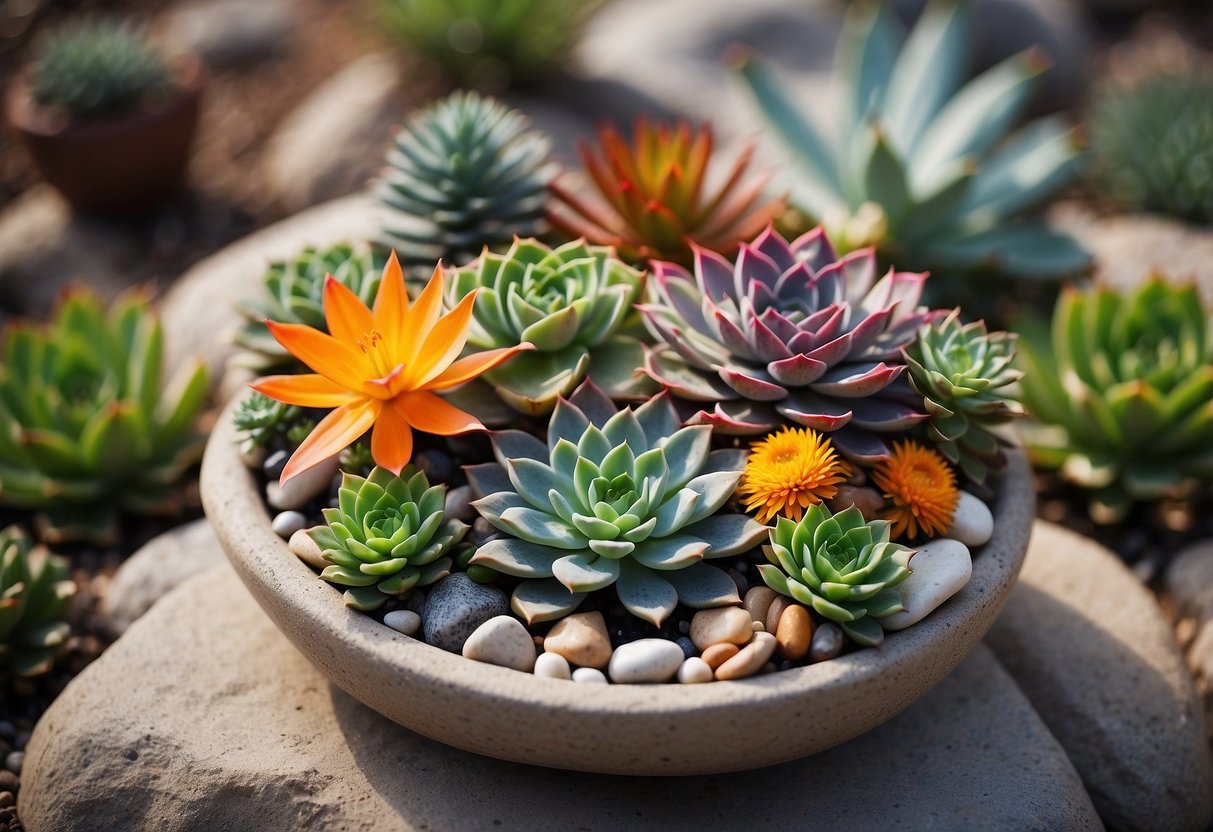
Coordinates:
x,y
1153,145
962,372
1121,391
614,497
35,589
916,163
86,427
294,294
387,535
464,174
652,199
788,333
570,303
98,66
841,565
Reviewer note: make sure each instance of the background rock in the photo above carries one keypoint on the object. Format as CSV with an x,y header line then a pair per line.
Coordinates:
x,y
227,33
1189,581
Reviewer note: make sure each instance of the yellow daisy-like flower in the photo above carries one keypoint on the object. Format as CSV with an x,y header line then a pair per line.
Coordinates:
x,y
922,487
789,471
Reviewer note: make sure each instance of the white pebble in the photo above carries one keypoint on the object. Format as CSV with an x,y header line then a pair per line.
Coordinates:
x,y
503,641
306,550
287,523
646,660
694,671
553,666
973,524
940,569
302,488
591,675
403,621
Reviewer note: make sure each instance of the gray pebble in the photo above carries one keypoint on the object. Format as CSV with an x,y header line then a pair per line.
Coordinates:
x,y
14,761
7,799
437,465
827,642
482,530
415,600
403,621
455,607
287,523
459,504
688,647
273,465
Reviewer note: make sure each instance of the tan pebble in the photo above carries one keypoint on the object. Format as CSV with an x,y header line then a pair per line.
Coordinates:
x,y
757,601
773,614
795,632
306,550
694,671
749,660
582,639
721,625
867,500
759,627
718,654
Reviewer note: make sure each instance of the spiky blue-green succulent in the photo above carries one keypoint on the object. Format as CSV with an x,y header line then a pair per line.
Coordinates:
x,y
35,590
98,66
915,161
263,422
841,565
387,535
624,498
571,303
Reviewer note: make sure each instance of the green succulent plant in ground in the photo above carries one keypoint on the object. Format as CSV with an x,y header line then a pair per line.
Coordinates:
x,y
97,67
1121,391
387,535
916,164
624,498
87,429
963,372
841,565
464,174
294,294
490,43
1153,145
572,303
35,589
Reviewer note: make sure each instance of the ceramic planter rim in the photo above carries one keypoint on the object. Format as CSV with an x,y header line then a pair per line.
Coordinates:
x,y
395,674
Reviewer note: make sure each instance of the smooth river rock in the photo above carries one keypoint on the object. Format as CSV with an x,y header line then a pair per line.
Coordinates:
x,y
973,523
183,727
645,660
582,639
502,641
1091,649
941,568
722,625
1189,581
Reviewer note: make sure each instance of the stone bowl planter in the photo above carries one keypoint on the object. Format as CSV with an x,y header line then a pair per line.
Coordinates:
x,y
617,729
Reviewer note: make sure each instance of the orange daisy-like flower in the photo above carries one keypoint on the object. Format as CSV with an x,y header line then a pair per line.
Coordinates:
x,y
379,367
789,471
922,487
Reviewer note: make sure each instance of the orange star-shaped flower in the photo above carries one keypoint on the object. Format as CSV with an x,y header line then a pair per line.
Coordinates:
x,y
379,367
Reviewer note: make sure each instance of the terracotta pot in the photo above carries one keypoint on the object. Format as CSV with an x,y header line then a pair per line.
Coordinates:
x,y
121,164
616,729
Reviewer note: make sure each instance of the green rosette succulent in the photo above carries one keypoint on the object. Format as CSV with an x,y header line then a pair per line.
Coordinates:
x,y
962,372
87,428
914,161
464,173
35,589
1121,391
841,565
622,498
294,294
572,303
387,535
263,422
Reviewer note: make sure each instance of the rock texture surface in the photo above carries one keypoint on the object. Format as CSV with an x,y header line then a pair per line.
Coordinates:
x,y
1090,648
242,733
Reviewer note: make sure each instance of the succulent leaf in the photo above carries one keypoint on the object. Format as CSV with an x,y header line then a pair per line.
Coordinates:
x,y
35,590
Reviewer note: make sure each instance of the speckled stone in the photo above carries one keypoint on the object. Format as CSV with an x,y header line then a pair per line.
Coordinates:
x,y
750,660
973,523
722,625
941,568
455,607
1089,646
582,639
251,736
758,601
774,612
503,641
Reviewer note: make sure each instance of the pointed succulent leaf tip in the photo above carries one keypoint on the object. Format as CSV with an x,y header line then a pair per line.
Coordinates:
x,y
621,497
380,367
818,346
1121,392
35,590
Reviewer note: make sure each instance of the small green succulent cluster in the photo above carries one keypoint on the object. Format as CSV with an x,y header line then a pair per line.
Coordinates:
x,y
571,303
265,423
87,429
464,174
294,294
1121,391
1153,145
490,43
35,589
387,535
97,67
963,372
841,565
919,167
624,498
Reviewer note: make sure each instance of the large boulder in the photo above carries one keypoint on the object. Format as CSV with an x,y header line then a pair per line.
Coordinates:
x,y
204,717
1089,646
